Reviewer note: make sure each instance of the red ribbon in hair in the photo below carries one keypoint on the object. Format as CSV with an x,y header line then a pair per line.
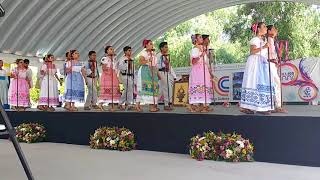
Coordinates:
x,y
254,27
145,42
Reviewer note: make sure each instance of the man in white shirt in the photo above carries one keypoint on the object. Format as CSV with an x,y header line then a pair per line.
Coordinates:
x,y
126,68
166,74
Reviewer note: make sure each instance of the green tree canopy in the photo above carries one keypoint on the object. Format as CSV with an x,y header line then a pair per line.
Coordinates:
x,y
229,31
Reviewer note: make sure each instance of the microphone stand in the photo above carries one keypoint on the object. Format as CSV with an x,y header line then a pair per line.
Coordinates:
x,y
71,108
111,57
152,76
48,85
214,101
127,83
204,80
167,71
17,74
133,82
92,67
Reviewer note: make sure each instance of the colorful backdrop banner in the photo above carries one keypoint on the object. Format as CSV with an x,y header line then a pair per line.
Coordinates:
x,y
300,80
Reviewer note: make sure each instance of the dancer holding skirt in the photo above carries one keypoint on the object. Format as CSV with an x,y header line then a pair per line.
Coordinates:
x,y
49,93
147,83
255,93
19,97
200,86
109,82
75,81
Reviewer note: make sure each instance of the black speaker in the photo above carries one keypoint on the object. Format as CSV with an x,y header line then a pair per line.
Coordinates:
x,y
2,12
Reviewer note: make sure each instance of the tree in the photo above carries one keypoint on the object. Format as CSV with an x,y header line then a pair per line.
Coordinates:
x,y
296,22
229,31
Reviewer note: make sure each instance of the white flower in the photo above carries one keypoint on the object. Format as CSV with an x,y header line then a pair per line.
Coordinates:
x,y
202,138
112,142
108,139
241,144
23,129
229,153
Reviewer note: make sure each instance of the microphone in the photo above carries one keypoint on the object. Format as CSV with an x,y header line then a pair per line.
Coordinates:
x,y
2,11
111,55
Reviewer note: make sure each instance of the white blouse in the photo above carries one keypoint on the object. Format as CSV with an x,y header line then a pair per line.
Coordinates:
x,y
259,43
108,62
150,57
196,53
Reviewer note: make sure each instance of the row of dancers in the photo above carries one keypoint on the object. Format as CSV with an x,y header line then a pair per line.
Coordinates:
x,y
261,87
152,81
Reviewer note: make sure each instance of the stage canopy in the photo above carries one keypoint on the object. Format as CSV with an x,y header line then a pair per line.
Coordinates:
x,y
32,28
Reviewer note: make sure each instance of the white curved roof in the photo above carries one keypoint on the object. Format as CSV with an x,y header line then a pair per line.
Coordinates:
x,y
33,27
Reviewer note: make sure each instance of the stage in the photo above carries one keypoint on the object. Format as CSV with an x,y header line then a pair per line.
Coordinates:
x,y
291,138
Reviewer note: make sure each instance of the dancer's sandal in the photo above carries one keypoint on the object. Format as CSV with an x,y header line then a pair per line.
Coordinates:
x,y
138,108
112,109
280,110
51,109
167,108
246,111
264,112
208,109
122,107
154,109
131,108
194,109
41,108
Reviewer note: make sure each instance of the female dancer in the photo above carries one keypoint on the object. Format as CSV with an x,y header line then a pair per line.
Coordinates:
x,y
200,86
19,96
147,82
4,82
75,85
272,34
109,82
255,93
49,94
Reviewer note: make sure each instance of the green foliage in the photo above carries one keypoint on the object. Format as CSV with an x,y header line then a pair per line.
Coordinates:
x,y
34,95
229,31
296,22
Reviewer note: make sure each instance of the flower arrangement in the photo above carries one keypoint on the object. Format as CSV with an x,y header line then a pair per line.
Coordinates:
x,y
30,132
221,147
115,138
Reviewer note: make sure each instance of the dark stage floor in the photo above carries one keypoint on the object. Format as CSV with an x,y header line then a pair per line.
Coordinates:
x,y
280,138
293,110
